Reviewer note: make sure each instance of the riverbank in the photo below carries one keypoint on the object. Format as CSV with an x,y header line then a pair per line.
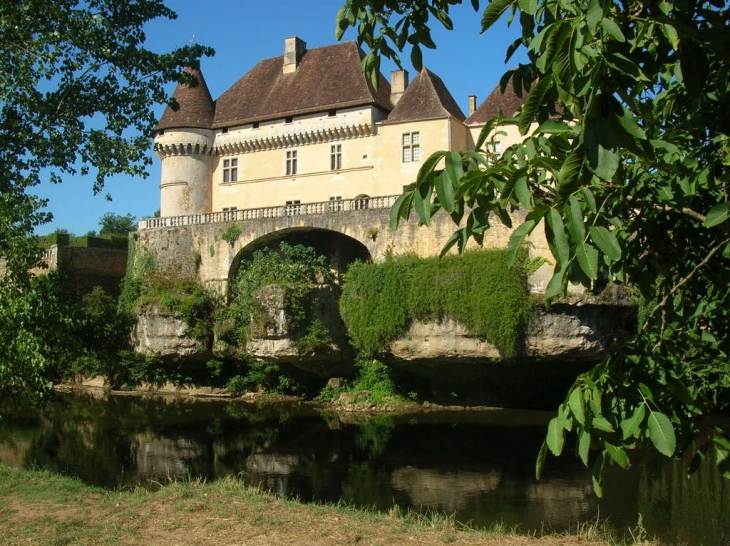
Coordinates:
x,y
43,508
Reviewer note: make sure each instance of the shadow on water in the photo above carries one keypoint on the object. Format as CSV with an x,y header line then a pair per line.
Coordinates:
x,y
478,466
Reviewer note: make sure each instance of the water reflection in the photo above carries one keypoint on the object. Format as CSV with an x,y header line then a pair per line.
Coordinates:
x,y
477,466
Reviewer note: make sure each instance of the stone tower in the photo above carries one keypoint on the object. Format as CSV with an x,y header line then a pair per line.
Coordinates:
x,y
184,143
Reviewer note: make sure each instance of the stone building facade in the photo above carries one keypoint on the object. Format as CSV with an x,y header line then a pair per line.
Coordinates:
x,y
309,127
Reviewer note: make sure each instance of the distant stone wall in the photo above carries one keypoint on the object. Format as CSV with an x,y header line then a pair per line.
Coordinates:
x,y
90,267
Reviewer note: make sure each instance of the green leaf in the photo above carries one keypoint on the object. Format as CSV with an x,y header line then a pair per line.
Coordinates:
x,y
422,202
584,446
570,169
616,454
576,225
494,11
606,241
531,106
661,433
602,149
559,238
587,257
575,402
555,436
601,423
555,127
631,426
523,193
401,209
527,6
557,282
517,238
540,462
612,29
717,215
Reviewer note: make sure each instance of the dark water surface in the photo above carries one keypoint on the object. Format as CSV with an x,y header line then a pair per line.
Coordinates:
x,y
478,466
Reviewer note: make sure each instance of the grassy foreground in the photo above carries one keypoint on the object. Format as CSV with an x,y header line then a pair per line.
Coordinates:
x,y
38,507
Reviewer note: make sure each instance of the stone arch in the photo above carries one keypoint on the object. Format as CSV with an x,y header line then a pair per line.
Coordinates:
x,y
340,249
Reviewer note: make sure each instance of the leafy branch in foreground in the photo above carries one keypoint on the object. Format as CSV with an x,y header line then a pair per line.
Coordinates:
x,y
77,90
625,164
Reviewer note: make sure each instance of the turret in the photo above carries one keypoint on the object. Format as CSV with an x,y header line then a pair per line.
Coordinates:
x,y
184,142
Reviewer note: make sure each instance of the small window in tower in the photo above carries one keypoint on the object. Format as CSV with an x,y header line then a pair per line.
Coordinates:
x,y
255,125
332,113
160,132
288,119
230,170
224,130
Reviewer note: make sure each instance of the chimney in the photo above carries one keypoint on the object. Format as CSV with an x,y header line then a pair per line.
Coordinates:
x,y
472,104
398,84
294,49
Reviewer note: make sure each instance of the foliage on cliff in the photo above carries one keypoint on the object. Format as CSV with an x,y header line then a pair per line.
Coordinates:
x,y
77,91
625,163
477,289
295,268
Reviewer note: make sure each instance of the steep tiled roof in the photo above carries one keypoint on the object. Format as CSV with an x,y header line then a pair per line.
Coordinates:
x,y
326,78
425,98
507,103
196,106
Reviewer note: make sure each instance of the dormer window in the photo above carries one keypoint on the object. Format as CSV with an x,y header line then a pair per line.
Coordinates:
x,y
160,132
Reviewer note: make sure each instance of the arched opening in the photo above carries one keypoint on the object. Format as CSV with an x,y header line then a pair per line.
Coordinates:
x,y
362,202
341,250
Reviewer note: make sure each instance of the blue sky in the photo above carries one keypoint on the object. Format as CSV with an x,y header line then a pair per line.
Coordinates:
x,y
245,31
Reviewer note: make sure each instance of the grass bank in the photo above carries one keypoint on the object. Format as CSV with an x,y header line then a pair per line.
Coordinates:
x,y
37,507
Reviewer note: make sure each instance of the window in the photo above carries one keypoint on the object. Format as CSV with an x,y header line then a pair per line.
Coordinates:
x,y
292,207
335,203
291,162
411,147
255,125
494,147
230,170
336,157
224,130
332,113
289,119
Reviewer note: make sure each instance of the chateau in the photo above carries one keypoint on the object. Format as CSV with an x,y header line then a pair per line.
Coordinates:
x,y
308,127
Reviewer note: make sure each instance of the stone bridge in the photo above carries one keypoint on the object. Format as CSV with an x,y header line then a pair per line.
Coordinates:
x,y
210,247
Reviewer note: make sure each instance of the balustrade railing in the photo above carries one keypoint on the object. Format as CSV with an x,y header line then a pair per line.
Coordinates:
x,y
297,209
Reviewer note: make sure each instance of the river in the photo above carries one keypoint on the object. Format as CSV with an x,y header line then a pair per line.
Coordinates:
x,y
475,465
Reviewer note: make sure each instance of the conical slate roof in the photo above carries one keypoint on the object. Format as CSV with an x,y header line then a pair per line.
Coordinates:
x,y
326,78
425,98
197,108
507,103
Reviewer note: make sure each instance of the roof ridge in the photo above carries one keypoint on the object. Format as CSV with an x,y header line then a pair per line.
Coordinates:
x,y
427,97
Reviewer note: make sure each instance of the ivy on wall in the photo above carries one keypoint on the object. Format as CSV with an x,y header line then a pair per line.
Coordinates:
x,y
477,289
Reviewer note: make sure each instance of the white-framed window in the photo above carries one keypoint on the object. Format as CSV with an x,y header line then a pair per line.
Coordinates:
x,y
494,147
291,162
292,207
411,147
336,157
230,170
335,203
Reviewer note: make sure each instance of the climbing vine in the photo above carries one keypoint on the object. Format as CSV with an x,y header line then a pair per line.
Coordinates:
x,y
477,289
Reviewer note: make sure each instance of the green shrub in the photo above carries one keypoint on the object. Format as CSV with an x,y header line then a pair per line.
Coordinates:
x,y
232,232
477,289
